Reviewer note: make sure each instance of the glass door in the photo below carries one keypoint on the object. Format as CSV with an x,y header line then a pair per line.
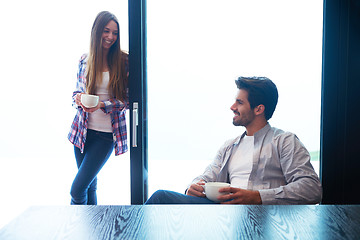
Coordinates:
x,y
138,101
39,60
195,51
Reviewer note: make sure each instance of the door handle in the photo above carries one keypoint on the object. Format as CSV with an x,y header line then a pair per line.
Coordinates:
x,y
135,123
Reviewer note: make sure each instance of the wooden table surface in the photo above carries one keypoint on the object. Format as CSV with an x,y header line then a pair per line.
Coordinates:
x,y
186,222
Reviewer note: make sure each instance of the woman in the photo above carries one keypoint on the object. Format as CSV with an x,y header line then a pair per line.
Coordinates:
x,y
96,131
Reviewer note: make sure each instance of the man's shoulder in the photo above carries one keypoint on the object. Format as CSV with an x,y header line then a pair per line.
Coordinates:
x,y
277,131
280,134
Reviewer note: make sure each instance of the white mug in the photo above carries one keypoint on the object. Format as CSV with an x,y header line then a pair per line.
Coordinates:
x,y
89,100
211,190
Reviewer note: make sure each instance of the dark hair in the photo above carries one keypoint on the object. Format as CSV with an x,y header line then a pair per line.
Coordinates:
x,y
261,90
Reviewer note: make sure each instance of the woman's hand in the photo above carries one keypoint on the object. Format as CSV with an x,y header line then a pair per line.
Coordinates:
x,y
78,99
93,109
196,189
89,110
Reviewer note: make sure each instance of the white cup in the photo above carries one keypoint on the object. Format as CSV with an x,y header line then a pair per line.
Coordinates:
x,y
211,190
89,101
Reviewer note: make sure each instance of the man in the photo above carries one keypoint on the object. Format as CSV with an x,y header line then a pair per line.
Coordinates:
x,y
264,165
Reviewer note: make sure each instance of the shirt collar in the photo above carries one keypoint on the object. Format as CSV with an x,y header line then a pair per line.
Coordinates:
x,y
257,135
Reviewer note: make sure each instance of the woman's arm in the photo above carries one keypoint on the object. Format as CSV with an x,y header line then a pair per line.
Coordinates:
x,y
112,105
80,83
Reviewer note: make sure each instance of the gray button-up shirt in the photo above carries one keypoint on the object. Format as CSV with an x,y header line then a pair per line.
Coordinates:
x,y
281,171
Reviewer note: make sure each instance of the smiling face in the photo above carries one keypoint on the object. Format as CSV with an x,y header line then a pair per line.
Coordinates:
x,y
244,115
109,35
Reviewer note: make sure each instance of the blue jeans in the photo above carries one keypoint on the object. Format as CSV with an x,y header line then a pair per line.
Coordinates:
x,y
170,197
98,148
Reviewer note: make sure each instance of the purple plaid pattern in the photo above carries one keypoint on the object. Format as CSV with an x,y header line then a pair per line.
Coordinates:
x,y
115,108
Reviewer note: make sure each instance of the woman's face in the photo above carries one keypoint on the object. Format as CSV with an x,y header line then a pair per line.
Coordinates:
x,y
110,34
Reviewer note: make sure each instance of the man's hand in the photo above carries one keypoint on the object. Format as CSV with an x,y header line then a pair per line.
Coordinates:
x,y
196,189
239,196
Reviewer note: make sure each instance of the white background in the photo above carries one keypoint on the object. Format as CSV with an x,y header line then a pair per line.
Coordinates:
x,y
203,45
196,49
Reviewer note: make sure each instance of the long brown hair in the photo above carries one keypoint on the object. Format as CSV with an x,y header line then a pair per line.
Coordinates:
x,y
116,60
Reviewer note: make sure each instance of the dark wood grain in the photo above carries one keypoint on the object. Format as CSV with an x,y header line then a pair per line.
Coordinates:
x,y
186,222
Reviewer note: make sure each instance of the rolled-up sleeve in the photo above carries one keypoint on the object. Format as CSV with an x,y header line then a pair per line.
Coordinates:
x,y
114,105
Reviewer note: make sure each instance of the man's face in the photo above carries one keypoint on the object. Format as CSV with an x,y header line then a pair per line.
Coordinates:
x,y
244,115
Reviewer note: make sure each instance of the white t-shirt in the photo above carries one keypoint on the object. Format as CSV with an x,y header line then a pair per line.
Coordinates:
x,y
99,120
241,162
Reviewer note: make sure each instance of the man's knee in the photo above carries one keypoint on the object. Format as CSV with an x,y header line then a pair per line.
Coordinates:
x,y
157,197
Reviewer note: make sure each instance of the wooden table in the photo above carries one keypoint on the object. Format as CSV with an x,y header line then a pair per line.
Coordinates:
x,y
186,222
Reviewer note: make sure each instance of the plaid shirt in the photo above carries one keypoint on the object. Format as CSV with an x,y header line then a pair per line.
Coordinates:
x,y
115,108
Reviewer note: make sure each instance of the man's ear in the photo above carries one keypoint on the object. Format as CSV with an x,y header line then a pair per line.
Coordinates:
x,y
259,109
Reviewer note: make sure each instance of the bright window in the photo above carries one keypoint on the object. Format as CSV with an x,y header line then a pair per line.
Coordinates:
x,y
196,49
41,44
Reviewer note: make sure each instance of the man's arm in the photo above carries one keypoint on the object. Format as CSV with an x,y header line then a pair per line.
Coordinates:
x,y
302,183
211,173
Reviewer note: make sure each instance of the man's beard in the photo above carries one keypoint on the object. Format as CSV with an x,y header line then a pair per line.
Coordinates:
x,y
244,120
237,123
